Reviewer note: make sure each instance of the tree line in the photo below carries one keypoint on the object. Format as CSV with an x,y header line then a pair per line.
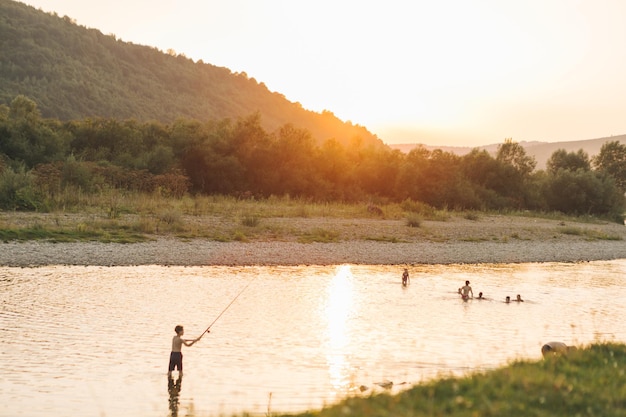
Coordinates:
x,y
43,157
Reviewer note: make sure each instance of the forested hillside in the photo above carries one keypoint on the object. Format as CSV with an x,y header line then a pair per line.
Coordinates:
x,y
72,72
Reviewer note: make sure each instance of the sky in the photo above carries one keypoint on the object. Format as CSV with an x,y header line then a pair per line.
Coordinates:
x,y
437,72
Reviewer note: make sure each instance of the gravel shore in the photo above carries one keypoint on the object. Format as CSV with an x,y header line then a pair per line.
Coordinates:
x,y
491,240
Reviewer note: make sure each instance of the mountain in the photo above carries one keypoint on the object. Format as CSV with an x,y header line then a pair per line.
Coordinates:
x,y
540,150
73,72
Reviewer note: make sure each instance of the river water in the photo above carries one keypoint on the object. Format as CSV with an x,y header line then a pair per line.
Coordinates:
x,y
95,341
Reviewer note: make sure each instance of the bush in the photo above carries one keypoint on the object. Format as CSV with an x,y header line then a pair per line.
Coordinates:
x,y
18,190
414,220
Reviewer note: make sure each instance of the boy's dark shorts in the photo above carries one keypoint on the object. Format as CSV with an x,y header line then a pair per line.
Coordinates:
x,y
176,361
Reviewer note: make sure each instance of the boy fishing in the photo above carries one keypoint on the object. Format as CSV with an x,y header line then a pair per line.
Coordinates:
x,y
176,356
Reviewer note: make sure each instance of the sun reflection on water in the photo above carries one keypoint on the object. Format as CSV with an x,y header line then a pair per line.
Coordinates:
x,y
339,306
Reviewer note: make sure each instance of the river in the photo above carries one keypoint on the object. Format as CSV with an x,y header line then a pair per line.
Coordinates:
x,y
95,341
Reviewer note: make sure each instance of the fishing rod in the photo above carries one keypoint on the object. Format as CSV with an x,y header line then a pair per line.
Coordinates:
x,y
227,307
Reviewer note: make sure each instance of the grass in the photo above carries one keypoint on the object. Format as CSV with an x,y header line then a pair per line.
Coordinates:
x,y
116,216
387,239
590,234
319,235
589,382
82,233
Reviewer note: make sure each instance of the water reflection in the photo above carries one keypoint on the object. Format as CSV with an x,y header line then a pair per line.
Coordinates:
x,y
173,388
339,305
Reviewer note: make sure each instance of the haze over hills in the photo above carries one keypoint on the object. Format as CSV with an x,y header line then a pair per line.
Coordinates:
x,y
540,150
73,72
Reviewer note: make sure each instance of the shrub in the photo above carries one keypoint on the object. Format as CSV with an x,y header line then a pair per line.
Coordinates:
x,y
414,220
18,191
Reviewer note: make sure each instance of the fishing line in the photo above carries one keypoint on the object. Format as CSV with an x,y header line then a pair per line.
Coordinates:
x,y
227,307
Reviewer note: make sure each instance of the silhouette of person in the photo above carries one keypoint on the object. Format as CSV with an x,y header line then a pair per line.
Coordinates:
x,y
405,277
466,290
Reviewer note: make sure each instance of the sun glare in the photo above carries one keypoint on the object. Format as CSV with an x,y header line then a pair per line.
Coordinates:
x,y
338,308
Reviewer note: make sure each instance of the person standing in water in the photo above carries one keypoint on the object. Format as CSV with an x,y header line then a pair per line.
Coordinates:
x,y
466,290
176,356
405,277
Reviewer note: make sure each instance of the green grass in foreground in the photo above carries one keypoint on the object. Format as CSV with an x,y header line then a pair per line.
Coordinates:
x,y
589,382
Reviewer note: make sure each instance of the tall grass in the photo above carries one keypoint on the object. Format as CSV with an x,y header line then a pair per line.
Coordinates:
x,y
589,234
110,214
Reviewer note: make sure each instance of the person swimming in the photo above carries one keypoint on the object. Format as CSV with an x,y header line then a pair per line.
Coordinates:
x,y
556,348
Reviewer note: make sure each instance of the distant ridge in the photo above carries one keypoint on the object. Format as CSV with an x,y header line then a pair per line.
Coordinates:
x,y
540,150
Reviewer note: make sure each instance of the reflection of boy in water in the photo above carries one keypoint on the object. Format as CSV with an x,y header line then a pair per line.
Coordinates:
x,y
176,357
173,388
466,290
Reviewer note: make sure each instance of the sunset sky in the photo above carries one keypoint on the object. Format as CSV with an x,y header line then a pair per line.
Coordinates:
x,y
440,72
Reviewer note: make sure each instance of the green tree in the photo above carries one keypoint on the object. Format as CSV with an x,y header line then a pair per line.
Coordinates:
x,y
570,161
28,139
331,165
484,174
412,176
293,171
252,146
583,192
513,154
612,160
377,171
24,109
210,172
159,159
515,172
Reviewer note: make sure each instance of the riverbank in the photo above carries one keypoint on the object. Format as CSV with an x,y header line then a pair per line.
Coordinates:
x,y
587,382
488,239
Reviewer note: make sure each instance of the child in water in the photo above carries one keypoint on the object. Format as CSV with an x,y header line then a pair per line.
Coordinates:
x,y
176,356
405,277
